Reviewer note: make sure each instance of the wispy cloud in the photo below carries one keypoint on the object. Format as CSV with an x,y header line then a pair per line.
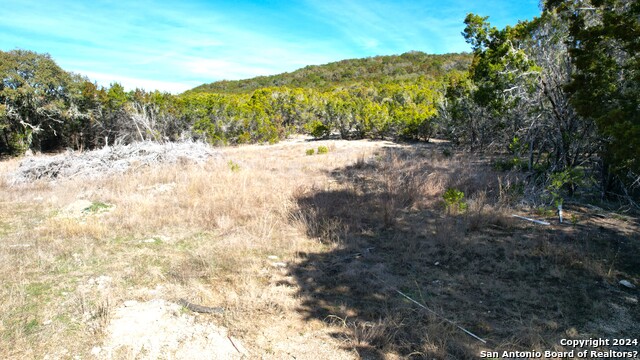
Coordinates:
x,y
392,27
173,46
139,83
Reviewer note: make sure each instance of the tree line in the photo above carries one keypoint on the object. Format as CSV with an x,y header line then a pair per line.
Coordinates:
x,y
560,93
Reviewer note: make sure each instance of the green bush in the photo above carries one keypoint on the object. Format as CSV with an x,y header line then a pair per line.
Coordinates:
x,y
310,151
454,200
514,163
318,129
323,149
96,206
233,166
244,138
564,183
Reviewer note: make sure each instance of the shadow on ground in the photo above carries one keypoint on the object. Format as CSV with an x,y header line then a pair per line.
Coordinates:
x,y
518,285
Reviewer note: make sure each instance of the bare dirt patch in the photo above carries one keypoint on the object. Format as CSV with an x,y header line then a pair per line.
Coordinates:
x,y
160,329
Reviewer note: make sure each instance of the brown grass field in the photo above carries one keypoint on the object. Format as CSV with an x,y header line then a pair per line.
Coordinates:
x,y
309,256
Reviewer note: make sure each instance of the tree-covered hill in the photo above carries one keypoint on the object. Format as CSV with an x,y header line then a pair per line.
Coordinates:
x,y
406,67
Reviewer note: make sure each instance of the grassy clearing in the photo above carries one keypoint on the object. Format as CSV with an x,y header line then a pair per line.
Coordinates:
x,y
306,253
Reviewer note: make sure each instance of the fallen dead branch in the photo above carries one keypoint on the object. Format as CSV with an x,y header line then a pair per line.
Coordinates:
x,y
200,308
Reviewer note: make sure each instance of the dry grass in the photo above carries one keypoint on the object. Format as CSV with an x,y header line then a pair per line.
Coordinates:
x,y
299,248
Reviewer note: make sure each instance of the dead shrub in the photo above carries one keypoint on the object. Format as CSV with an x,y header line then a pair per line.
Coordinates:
x,y
357,333
327,216
477,213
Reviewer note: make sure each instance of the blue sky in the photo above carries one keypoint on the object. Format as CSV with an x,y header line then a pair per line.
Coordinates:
x,y
176,45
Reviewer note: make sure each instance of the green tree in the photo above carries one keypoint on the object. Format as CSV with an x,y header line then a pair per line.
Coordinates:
x,y
33,101
460,118
504,77
115,125
604,41
84,114
519,75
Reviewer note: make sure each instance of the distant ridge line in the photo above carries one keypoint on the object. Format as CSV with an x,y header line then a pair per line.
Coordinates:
x,y
405,67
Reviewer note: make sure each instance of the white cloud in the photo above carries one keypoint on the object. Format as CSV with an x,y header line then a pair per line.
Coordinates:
x,y
132,83
221,69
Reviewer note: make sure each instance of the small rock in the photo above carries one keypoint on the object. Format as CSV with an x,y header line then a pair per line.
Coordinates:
x,y
626,283
148,241
102,281
437,263
272,257
96,350
631,300
19,246
46,322
279,264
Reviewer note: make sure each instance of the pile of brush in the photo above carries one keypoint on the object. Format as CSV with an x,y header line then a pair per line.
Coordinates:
x,y
108,161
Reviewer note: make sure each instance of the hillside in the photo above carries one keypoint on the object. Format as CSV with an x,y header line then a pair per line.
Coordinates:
x,y
408,66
